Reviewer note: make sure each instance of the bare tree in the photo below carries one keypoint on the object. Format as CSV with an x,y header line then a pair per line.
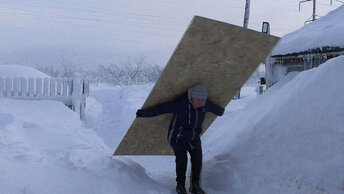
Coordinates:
x,y
130,72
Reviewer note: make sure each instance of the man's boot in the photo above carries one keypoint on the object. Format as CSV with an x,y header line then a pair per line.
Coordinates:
x,y
180,189
196,189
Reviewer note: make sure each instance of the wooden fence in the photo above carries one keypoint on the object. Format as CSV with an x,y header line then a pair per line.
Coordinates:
x,y
72,92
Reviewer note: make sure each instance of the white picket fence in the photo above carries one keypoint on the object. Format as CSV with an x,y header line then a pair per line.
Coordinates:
x,y
72,92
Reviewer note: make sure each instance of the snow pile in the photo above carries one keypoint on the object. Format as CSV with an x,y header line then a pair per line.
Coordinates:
x,y
290,140
44,148
11,71
327,31
111,110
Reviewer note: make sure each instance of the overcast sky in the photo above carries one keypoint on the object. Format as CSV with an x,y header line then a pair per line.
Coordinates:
x,y
87,33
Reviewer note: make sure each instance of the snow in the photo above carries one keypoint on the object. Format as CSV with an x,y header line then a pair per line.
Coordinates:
x,y
327,31
11,71
289,140
46,149
119,106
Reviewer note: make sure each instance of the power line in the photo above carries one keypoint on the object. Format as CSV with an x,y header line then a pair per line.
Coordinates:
x,y
70,38
119,29
97,11
59,16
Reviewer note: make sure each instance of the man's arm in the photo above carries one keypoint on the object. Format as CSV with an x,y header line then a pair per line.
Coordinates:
x,y
215,109
158,110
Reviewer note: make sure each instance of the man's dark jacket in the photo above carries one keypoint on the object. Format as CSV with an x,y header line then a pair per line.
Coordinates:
x,y
186,125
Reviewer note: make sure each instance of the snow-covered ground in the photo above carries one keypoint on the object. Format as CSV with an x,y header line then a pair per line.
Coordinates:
x,y
111,111
289,140
45,148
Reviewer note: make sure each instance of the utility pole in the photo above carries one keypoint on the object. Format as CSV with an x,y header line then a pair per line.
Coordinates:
x,y
247,13
314,10
246,17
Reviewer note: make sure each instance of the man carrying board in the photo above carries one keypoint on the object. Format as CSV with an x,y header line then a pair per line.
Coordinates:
x,y
184,132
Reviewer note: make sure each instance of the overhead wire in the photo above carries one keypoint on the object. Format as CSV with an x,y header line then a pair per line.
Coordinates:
x,y
113,12
73,38
99,12
111,27
150,25
39,14
62,16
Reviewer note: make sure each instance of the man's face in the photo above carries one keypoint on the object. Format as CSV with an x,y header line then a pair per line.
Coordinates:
x,y
198,103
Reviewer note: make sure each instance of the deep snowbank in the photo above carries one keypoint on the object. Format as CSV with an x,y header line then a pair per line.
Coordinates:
x,y
290,140
44,148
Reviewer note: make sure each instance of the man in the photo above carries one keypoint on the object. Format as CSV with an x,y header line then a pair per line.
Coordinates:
x,y
184,132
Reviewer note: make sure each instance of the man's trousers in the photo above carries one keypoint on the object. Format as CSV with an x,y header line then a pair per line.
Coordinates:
x,y
196,165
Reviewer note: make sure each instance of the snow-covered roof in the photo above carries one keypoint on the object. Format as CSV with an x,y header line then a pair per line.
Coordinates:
x,y
325,34
11,71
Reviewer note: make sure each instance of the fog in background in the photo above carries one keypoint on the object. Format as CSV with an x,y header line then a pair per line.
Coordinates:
x,y
90,33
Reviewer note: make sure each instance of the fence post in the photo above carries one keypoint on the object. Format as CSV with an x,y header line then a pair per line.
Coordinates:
x,y
59,88
46,87
23,90
2,87
65,89
52,87
39,87
85,93
70,87
31,87
86,88
16,87
76,95
8,87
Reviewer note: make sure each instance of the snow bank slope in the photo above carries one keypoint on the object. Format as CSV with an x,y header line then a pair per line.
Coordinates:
x,y
44,148
327,31
20,71
290,140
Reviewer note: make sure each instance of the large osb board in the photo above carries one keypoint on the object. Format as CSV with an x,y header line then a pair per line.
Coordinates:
x,y
217,55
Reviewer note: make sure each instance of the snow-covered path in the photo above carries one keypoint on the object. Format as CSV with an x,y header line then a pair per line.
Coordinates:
x,y
107,124
111,111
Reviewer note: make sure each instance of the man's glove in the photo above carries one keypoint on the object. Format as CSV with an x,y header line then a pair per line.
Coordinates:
x,y
139,113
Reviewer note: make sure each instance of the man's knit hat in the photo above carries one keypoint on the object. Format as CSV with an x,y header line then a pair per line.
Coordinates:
x,y
198,92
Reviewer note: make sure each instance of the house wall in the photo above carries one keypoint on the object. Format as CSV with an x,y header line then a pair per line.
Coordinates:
x,y
281,66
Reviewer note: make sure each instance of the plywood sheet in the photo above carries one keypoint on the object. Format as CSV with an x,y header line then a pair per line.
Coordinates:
x,y
219,56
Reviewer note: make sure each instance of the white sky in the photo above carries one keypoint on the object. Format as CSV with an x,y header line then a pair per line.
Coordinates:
x,y
88,33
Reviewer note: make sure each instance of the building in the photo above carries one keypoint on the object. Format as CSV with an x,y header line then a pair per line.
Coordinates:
x,y
308,47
